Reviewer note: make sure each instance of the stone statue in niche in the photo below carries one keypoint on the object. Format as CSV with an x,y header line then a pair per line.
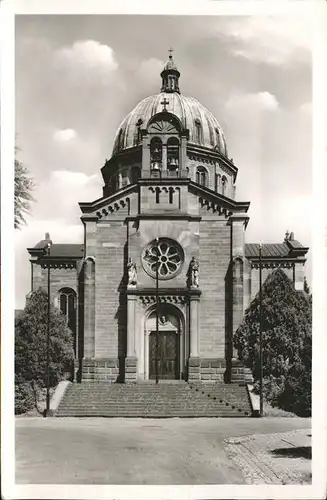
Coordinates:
x,y
132,273
194,273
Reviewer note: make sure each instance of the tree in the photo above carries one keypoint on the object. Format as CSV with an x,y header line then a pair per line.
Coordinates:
x,y
306,287
31,347
23,193
286,336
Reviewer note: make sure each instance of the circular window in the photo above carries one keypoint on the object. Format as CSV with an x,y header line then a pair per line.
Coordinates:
x,y
166,254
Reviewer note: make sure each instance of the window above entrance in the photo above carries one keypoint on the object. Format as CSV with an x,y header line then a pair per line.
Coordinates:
x,y
165,253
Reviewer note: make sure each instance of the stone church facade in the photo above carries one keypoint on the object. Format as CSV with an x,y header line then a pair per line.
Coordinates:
x,y
164,275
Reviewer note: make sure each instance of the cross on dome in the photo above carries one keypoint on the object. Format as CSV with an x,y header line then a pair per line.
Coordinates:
x,y
164,103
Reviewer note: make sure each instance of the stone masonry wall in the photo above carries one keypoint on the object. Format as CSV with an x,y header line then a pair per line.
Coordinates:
x,y
214,258
110,299
213,370
59,278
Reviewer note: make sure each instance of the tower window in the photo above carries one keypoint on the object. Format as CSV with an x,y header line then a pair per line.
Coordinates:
x,y
198,131
172,153
218,183
202,176
156,153
223,185
136,174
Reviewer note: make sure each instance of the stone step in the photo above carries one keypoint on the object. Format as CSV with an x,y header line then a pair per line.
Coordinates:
x,y
154,400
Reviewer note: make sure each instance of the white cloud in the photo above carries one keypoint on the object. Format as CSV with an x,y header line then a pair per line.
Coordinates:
x,y
273,40
149,69
56,212
70,188
252,102
64,135
90,54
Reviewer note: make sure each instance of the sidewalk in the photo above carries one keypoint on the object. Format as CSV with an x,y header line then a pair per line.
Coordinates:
x,y
279,458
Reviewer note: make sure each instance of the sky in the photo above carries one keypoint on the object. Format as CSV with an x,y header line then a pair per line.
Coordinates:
x,y
78,76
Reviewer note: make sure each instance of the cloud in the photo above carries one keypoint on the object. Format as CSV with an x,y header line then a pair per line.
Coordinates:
x,y
86,64
56,211
259,101
271,40
68,187
60,232
91,54
64,135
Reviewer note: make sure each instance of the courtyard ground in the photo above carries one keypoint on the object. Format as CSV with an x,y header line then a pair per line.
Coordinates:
x,y
162,451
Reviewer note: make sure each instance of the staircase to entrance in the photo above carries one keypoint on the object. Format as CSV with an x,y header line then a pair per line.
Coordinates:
x,y
152,400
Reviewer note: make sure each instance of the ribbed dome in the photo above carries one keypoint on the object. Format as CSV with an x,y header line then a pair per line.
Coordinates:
x,y
187,109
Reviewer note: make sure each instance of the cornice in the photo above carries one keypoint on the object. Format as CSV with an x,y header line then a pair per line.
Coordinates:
x,y
90,207
274,263
212,157
217,199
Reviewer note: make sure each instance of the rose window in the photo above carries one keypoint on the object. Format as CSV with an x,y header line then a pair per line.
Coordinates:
x,y
166,254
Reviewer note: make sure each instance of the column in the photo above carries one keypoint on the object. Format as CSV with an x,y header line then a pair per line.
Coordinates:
x,y
182,155
90,241
238,224
131,359
89,309
145,156
194,327
131,325
164,157
194,368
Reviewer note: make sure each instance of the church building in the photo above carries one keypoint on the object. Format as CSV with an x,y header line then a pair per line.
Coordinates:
x,y
164,275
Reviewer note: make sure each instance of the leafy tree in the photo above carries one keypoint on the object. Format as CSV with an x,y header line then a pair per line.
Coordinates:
x,y
306,287
31,347
286,338
23,193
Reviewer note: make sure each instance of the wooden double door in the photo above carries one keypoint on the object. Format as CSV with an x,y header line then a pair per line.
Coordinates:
x,y
168,354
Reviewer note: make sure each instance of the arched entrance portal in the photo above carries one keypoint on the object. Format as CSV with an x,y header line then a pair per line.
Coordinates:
x,y
164,351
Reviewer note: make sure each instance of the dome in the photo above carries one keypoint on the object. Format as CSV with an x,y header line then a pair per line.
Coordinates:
x,y
190,112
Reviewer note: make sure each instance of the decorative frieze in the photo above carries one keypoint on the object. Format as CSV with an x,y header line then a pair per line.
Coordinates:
x,y
58,265
164,299
202,159
114,208
214,207
272,265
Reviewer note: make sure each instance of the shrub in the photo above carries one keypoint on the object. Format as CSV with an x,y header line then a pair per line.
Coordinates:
x,y
31,346
286,340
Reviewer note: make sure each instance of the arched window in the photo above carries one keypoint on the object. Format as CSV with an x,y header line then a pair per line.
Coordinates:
x,y
198,131
223,185
136,174
172,153
67,306
156,153
202,176
218,183
125,177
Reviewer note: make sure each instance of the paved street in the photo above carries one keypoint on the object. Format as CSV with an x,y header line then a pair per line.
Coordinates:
x,y
136,451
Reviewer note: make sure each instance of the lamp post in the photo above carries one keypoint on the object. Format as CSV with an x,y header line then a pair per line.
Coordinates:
x,y
260,330
47,410
157,309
